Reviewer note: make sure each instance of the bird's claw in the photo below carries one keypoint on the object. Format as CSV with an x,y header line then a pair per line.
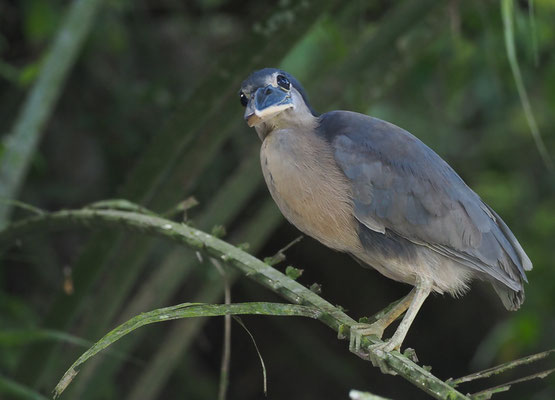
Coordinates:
x,y
374,353
358,331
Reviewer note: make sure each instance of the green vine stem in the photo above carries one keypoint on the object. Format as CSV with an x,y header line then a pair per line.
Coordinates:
x,y
231,255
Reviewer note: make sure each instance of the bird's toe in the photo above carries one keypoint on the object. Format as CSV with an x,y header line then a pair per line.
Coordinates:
x,y
357,332
377,356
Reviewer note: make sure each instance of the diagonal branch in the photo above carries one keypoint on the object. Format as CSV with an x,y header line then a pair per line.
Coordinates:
x,y
244,262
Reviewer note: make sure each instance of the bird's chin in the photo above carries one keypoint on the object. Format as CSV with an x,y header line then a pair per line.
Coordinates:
x,y
254,120
258,117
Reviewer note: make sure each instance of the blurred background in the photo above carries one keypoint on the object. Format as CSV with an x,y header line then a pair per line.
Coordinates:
x,y
149,111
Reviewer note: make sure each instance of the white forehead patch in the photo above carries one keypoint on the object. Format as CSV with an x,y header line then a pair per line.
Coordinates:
x,y
271,80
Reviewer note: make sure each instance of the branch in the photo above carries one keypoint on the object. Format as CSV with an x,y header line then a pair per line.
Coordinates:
x,y
499,369
487,393
502,368
244,262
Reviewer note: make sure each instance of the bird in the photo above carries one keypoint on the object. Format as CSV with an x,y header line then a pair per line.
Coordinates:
x,y
369,188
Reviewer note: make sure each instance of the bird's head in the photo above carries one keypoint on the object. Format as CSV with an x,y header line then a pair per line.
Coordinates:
x,y
274,99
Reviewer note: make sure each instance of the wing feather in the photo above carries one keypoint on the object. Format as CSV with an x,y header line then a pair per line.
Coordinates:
x,y
400,184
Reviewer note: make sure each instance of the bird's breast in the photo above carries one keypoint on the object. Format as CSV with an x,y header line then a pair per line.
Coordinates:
x,y
308,187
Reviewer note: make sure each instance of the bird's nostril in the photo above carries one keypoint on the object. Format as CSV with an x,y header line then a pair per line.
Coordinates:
x,y
268,91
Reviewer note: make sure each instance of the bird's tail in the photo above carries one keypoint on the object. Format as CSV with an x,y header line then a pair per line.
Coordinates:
x,y
512,299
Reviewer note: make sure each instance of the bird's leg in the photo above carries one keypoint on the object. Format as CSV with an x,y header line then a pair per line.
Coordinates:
x,y
422,290
358,331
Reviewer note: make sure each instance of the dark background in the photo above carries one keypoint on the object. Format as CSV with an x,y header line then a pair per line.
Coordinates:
x,y
150,112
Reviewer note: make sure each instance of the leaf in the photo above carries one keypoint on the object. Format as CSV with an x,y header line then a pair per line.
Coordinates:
x,y
507,12
22,141
185,310
10,386
293,273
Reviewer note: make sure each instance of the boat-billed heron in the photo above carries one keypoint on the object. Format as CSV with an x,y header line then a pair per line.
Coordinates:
x,y
366,187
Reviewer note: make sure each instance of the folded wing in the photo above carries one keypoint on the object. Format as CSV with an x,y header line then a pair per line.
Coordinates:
x,y
400,184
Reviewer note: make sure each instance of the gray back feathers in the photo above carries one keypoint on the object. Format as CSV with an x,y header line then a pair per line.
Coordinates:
x,y
402,186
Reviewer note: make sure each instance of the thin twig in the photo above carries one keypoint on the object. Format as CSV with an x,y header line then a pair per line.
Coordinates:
x,y
487,393
226,351
291,244
22,205
120,204
498,369
181,207
280,254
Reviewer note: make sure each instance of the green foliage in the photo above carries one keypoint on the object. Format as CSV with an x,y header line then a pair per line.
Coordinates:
x,y
149,113
313,305
293,273
40,20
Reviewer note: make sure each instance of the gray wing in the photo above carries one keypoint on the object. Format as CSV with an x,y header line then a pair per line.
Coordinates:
x,y
400,184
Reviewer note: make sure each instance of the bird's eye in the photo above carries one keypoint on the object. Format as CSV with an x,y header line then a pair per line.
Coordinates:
x,y
244,99
283,82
